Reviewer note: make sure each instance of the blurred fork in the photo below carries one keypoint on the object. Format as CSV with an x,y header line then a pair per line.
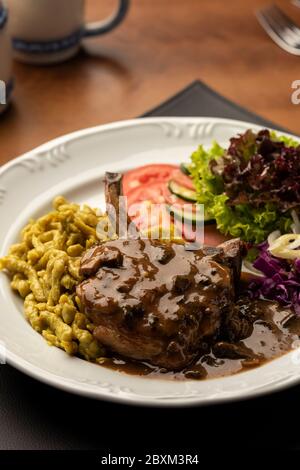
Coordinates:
x,y
280,28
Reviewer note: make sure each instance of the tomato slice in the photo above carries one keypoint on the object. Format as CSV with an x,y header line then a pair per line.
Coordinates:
x,y
147,174
147,215
183,180
152,192
148,185
141,209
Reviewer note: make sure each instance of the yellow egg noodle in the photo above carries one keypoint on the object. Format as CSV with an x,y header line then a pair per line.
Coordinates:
x,y
44,267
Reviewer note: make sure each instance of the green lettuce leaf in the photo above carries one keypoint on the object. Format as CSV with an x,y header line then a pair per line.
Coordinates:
x,y
249,223
289,141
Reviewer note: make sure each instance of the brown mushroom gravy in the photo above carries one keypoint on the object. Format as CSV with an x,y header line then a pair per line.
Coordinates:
x,y
272,333
164,311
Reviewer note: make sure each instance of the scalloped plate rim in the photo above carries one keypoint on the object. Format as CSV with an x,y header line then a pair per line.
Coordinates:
x,y
81,389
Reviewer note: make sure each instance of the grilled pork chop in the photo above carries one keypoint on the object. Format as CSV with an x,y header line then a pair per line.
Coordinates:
x,y
156,301
153,300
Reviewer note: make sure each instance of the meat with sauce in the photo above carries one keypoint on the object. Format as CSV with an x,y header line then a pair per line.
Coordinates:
x,y
155,301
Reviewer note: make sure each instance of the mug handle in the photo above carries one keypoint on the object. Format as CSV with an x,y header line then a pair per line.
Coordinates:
x,y
102,27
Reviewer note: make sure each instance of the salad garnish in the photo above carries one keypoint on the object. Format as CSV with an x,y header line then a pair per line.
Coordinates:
x,y
286,246
251,188
281,276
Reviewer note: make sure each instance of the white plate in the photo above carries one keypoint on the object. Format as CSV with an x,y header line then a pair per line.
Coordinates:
x,y
74,166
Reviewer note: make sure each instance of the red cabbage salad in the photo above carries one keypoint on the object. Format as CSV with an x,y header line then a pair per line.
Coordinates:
x,y
252,191
281,276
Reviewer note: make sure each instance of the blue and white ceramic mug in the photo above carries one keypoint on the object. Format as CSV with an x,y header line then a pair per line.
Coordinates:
x,y
50,31
6,81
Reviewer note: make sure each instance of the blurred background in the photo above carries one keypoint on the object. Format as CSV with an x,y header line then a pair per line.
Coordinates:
x,y
161,47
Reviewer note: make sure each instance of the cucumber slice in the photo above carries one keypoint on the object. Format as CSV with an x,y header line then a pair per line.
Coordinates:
x,y
189,216
184,167
182,191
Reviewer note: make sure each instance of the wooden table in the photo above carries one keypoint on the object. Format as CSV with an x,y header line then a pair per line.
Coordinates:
x,y
161,47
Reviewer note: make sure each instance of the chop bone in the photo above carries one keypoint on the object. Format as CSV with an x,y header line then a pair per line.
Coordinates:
x,y
116,207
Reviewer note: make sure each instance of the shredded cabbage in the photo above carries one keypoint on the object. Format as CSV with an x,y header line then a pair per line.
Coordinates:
x,y
280,281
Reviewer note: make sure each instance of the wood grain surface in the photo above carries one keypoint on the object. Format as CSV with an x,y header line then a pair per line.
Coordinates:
x,y
161,47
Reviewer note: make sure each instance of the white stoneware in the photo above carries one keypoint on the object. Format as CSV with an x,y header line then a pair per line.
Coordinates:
x,y
74,165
